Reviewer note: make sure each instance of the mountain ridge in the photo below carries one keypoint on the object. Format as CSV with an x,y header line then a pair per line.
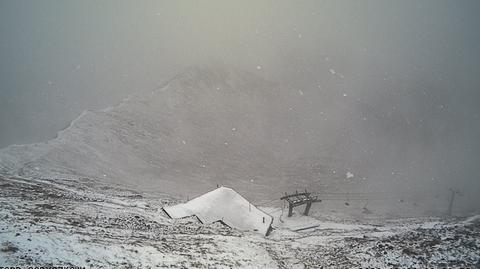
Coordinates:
x,y
206,126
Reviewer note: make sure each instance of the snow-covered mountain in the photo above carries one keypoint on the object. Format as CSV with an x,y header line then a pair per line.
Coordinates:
x,y
206,126
93,196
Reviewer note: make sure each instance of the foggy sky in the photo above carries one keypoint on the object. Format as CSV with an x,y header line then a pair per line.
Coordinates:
x,y
411,66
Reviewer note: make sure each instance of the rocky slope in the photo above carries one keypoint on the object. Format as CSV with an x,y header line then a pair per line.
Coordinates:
x,y
93,225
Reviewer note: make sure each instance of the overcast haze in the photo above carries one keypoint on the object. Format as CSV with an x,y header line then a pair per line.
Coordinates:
x,y
401,78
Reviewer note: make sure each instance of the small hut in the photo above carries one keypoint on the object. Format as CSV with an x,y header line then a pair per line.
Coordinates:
x,y
224,205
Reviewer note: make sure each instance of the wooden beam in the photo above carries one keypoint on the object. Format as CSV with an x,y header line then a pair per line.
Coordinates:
x,y
294,194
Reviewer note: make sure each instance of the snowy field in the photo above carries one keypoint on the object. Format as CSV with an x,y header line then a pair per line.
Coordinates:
x,y
87,223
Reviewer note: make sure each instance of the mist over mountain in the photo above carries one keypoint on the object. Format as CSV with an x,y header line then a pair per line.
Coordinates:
x,y
214,125
240,134
385,91
206,126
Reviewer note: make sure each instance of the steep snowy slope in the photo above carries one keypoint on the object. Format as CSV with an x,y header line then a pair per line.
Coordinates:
x,y
206,126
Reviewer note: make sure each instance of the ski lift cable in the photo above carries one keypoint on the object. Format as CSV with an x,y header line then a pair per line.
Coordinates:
x,y
370,193
268,202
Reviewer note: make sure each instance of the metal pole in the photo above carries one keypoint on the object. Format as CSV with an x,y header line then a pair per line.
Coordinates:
x,y
452,199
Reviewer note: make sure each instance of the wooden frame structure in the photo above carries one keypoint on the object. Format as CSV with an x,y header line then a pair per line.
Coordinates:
x,y
298,199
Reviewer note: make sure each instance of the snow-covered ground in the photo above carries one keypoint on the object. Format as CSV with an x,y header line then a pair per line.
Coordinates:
x,y
88,223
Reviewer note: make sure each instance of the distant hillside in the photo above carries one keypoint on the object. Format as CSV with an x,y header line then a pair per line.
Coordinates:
x,y
206,126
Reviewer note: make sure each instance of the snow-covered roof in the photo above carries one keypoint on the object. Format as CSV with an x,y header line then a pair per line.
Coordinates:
x,y
226,205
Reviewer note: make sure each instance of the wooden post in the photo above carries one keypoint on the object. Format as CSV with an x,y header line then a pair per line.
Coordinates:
x,y
290,209
307,208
